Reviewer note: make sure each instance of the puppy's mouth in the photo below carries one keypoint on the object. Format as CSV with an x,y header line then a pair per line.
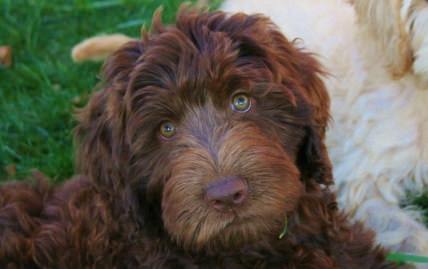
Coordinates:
x,y
228,212
212,229
230,232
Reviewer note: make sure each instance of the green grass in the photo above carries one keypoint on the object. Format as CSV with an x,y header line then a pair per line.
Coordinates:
x,y
422,202
39,93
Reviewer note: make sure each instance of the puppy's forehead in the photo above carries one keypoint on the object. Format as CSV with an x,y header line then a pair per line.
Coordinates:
x,y
200,61
172,62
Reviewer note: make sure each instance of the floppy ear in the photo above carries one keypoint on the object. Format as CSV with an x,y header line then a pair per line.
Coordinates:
x,y
306,73
301,69
313,160
100,137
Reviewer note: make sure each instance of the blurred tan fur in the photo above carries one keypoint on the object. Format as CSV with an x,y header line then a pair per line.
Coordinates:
x,y
98,48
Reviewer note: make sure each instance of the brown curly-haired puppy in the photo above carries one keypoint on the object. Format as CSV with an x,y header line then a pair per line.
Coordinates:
x,y
204,145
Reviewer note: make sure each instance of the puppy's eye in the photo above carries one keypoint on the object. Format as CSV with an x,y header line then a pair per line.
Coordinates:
x,y
241,102
167,129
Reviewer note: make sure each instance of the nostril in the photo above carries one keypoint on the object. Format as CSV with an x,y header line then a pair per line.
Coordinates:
x,y
217,204
238,197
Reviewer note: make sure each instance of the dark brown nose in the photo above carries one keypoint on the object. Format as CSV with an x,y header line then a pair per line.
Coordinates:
x,y
226,192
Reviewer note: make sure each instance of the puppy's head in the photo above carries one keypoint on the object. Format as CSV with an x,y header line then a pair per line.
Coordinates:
x,y
399,28
211,128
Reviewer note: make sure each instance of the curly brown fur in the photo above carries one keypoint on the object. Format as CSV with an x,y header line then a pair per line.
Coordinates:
x,y
140,203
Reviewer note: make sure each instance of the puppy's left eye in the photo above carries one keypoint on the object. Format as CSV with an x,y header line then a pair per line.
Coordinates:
x,y
167,129
241,102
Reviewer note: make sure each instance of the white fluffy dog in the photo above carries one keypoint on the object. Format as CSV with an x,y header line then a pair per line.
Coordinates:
x,y
377,54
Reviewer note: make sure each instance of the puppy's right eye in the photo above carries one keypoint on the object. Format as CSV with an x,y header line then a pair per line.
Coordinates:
x,y
167,129
241,103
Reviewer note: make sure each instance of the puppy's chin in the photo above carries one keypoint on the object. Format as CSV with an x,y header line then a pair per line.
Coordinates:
x,y
220,232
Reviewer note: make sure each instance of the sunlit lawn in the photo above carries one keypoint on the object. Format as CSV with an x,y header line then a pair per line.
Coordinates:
x,y
39,93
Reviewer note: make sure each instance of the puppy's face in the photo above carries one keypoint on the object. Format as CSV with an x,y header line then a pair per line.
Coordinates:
x,y
227,165
216,124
